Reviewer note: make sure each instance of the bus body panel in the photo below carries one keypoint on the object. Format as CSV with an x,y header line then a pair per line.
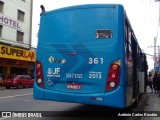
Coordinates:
x,y
77,26
38,93
74,98
67,49
90,77
117,97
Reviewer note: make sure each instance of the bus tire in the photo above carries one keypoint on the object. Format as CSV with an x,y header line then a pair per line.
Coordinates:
x,y
8,87
18,86
135,104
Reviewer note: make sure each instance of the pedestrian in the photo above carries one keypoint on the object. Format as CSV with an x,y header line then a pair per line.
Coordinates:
x,y
1,80
155,78
150,81
158,85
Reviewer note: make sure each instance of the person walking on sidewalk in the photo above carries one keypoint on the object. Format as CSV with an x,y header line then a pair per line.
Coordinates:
x,y
150,81
158,85
155,79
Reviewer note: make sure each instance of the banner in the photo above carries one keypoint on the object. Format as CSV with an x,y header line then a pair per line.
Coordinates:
x,y
92,113
10,22
17,53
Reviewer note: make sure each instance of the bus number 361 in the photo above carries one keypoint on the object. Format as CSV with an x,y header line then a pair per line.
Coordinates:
x,y
95,60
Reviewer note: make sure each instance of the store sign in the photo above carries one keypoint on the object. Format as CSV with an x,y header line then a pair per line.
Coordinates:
x,y
17,53
10,22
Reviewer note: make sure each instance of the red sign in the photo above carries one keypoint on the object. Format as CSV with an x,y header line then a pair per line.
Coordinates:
x,y
74,86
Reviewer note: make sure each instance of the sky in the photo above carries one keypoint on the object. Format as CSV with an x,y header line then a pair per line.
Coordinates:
x,y
143,16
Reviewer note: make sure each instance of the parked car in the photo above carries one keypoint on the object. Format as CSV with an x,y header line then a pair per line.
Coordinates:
x,y
19,81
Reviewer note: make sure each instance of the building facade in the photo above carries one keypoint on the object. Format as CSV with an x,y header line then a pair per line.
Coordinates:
x,y
16,54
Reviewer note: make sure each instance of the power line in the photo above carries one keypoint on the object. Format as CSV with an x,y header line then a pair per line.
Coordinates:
x,y
149,55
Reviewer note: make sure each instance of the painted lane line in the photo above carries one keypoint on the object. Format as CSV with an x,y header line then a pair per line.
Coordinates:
x,y
16,96
3,118
27,100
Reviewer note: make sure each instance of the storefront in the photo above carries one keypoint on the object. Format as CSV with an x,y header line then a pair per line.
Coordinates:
x,y
15,61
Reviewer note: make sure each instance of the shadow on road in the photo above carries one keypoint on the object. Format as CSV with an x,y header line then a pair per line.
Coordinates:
x,y
87,112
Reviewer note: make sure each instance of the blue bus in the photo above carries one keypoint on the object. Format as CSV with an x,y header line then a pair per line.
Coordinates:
x,y
89,54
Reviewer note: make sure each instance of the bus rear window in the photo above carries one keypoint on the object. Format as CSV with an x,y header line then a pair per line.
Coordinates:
x,y
78,26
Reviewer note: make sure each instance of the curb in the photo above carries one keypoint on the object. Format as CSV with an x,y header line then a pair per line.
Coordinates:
x,y
2,88
143,101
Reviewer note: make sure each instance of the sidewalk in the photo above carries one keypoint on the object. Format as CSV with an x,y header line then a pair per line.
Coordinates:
x,y
153,106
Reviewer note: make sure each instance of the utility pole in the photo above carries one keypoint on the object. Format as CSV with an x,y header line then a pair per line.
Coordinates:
x,y
155,60
155,54
155,40
158,58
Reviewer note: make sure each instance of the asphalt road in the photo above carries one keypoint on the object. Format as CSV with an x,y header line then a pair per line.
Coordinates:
x,y
22,100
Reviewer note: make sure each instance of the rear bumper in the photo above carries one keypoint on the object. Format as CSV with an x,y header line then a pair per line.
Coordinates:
x,y
113,99
95,99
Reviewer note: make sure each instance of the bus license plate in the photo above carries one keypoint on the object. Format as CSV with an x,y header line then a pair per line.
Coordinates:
x,y
74,86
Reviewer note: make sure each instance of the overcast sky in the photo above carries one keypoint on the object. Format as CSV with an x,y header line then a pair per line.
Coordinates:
x,y
143,15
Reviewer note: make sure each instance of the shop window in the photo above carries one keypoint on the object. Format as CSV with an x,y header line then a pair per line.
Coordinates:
x,y
20,36
1,6
1,30
20,15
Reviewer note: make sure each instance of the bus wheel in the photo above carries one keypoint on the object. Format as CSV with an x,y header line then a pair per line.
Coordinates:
x,y
135,104
18,86
8,87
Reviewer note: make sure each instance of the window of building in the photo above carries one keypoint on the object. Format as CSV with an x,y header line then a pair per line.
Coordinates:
x,y
1,30
1,6
21,15
23,0
20,36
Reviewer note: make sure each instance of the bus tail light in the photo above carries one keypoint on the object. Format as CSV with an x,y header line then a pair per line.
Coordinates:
x,y
113,78
39,74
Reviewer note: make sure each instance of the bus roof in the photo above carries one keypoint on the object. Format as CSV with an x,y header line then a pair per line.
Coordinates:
x,y
85,6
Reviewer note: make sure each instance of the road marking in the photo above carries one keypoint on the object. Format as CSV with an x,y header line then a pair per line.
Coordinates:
x,y
27,100
16,96
3,118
